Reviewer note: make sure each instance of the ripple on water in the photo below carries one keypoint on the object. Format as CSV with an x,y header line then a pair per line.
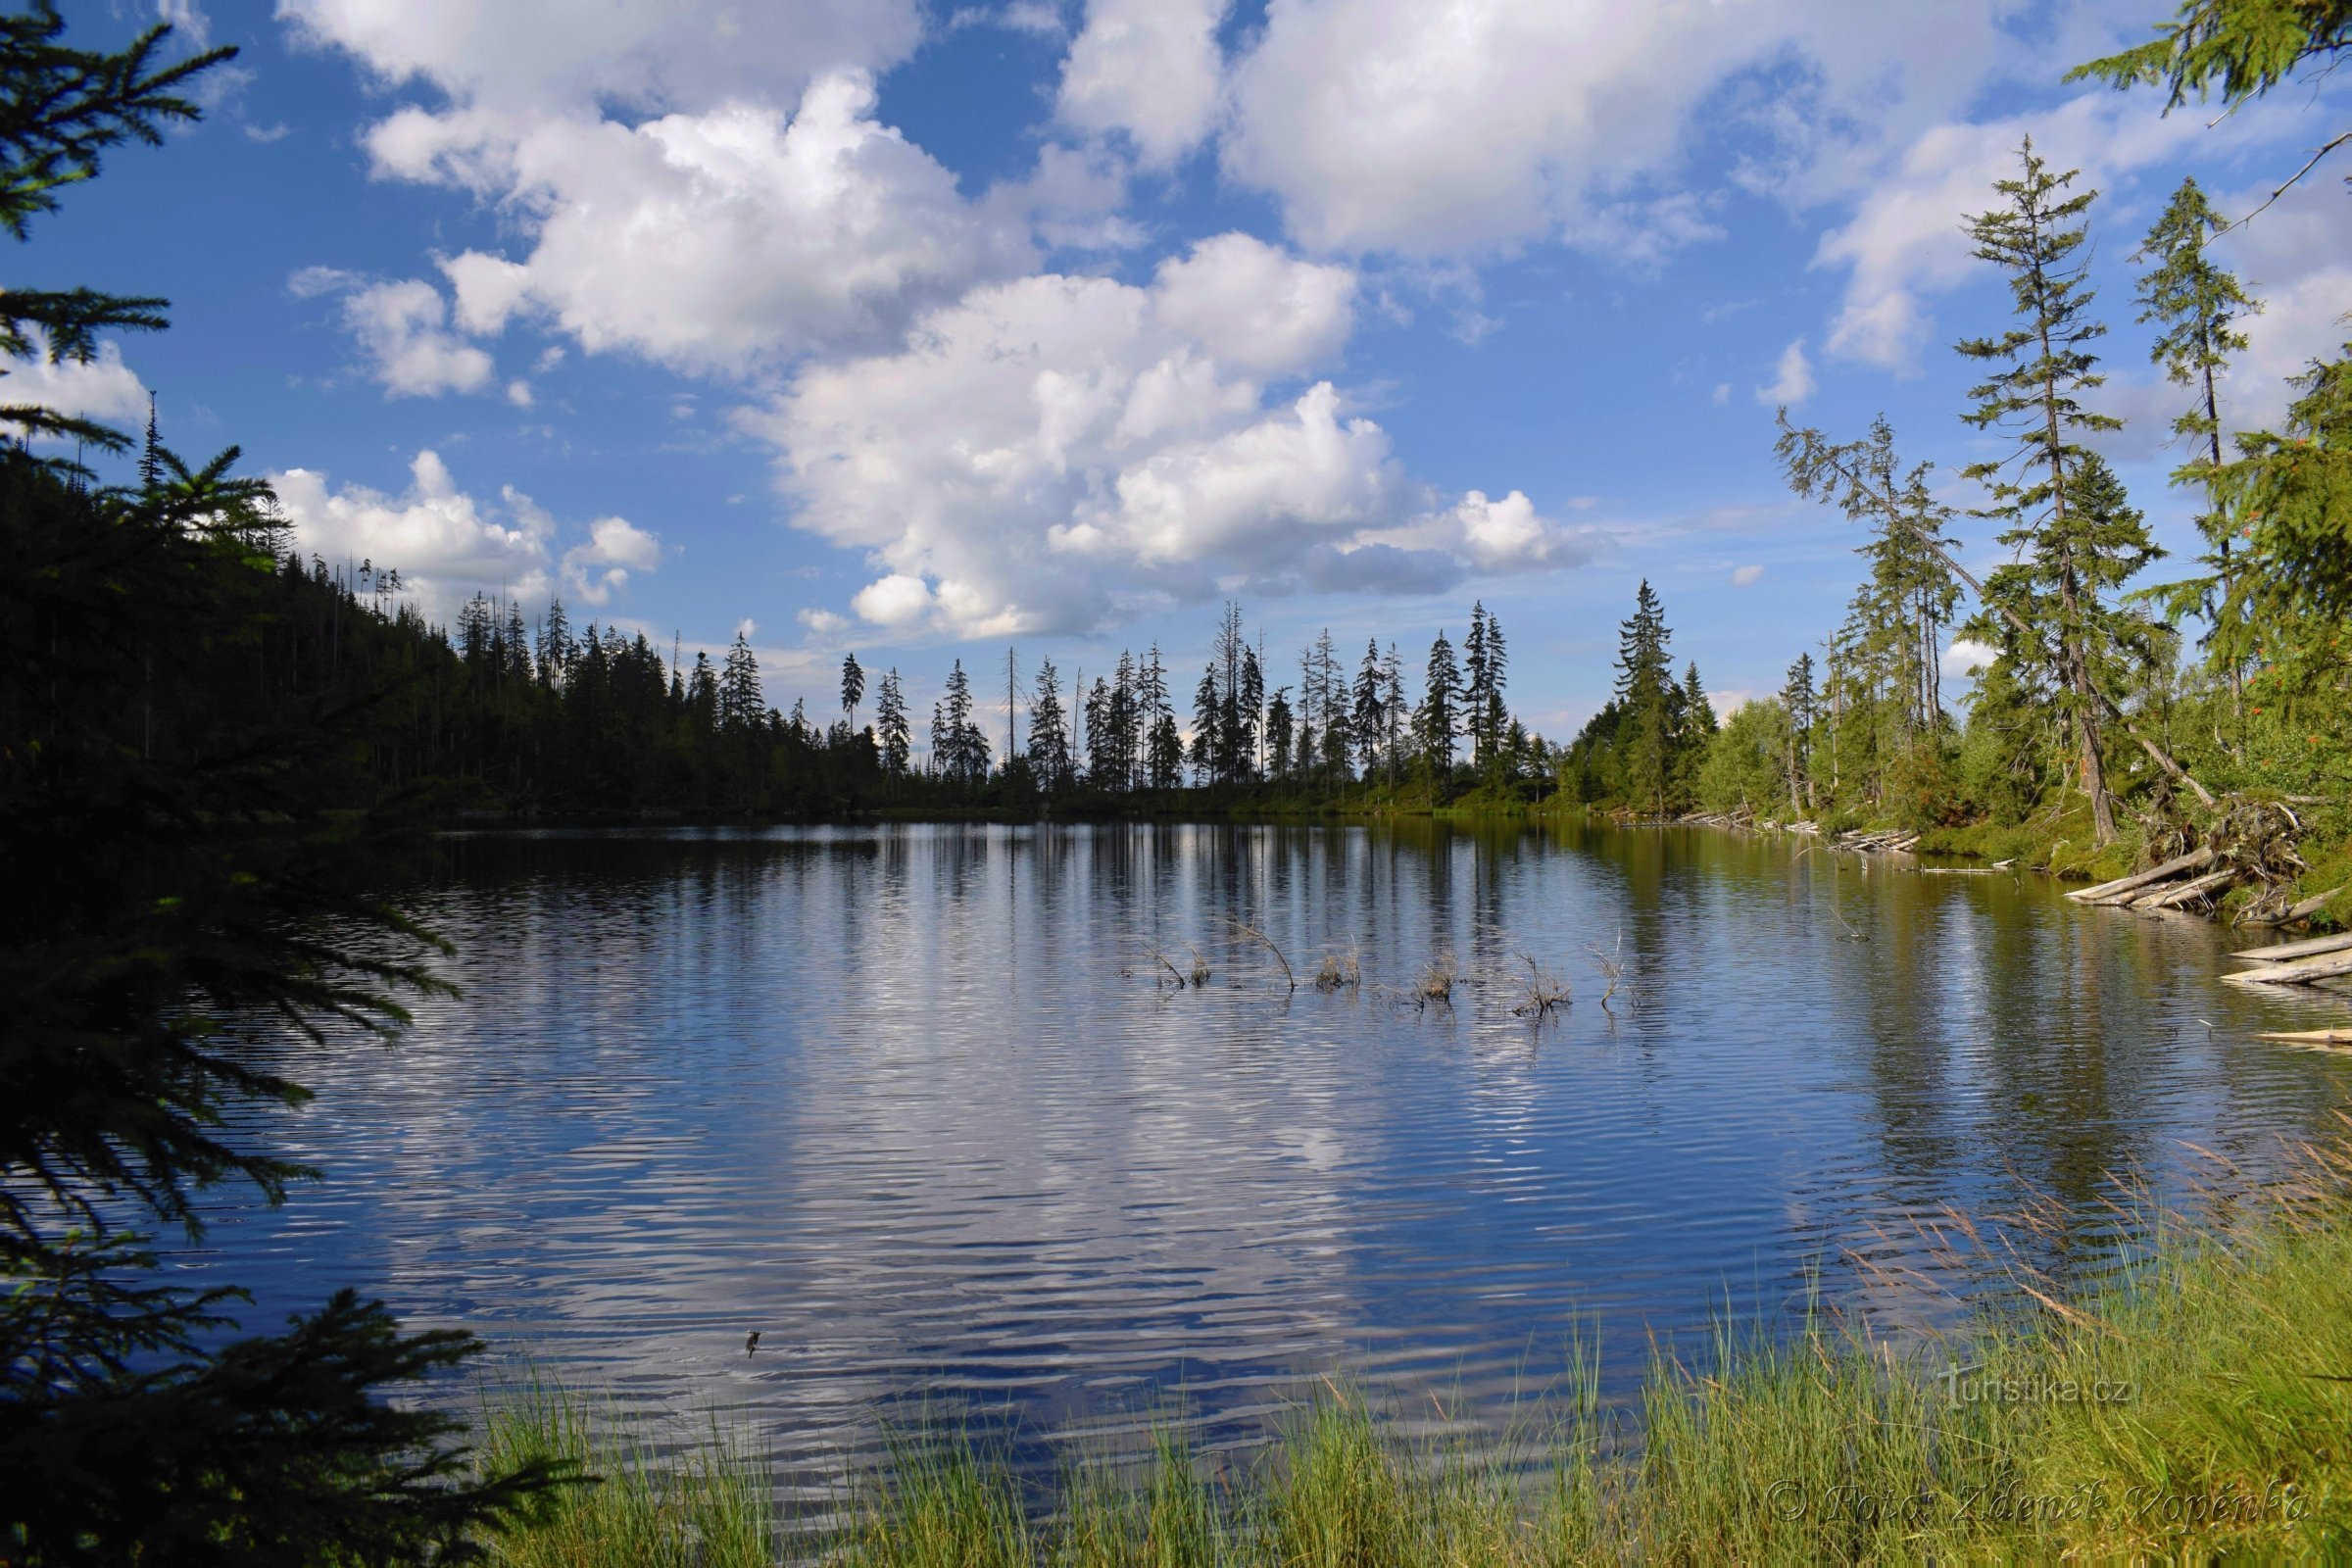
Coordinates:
x,y
912,1100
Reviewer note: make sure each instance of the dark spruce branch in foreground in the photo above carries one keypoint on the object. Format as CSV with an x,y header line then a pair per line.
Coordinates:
x,y
182,724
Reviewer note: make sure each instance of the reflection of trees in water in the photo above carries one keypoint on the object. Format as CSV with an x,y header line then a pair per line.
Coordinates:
x,y
964,1137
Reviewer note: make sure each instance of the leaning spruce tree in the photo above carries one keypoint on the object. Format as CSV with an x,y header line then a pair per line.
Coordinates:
x,y
2037,371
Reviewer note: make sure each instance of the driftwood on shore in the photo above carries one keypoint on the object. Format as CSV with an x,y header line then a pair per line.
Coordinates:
x,y
2195,859
2281,952
2172,896
2301,973
2324,1039
1884,841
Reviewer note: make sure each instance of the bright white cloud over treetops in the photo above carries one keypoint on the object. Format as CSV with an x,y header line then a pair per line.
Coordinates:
x,y
893,324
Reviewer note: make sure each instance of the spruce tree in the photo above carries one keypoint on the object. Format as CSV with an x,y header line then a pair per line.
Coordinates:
x,y
891,727
1395,708
2038,372
1208,715
852,687
741,704
1438,721
1278,732
1474,683
1646,697
1796,698
1369,715
2197,305
1049,733
2294,490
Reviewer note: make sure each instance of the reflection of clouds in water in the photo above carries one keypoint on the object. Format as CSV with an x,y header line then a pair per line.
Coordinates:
x,y
909,1101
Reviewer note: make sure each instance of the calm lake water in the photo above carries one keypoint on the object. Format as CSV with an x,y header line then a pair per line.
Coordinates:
x,y
911,1101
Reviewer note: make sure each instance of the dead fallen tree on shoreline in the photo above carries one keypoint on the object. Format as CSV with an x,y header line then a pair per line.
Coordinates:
x,y
2250,846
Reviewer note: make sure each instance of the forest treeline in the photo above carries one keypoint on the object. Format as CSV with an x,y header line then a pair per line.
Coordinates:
x,y
506,712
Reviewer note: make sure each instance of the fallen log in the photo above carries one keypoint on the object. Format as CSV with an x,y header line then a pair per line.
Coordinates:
x,y
2295,974
2192,861
2312,1037
2168,895
2280,952
2312,906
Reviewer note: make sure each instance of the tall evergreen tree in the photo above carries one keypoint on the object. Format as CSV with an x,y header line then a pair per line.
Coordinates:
x,y
1048,730
2038,372
2197,305
1396,710
1208,720
1368,718
1436,722
1796,699
852,687
1493,710
1279,722
1646,697
890,725
741,705
1474,683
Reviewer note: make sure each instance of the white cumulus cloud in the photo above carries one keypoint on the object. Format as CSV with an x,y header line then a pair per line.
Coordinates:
x,y
104,389
545,55
712,241
1049,453
1148,67
403,330
448,545
1792,378
1465,128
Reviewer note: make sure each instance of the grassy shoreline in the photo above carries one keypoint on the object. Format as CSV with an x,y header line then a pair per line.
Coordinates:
x,y
2202,1407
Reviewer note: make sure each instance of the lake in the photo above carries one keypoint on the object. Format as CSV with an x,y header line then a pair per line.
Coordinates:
x,y
921,1104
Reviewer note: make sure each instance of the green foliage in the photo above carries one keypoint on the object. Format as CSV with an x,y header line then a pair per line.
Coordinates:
x,y
1745,767
60,109
2290,495
2235,49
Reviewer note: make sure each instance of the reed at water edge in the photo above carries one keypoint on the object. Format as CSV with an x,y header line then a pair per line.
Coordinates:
x,y
2210,1411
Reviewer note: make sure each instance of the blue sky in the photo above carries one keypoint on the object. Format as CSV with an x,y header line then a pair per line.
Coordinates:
x,y
921,329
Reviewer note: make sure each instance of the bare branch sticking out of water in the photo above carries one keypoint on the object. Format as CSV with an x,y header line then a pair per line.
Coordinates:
x,y
1612,968
1199,972
1546,990
1174,973
1255,935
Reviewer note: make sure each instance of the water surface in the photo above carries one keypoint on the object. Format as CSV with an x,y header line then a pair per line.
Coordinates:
x,y
918,1103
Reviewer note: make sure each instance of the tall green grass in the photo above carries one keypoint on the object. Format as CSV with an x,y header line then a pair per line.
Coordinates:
x,y
2225,1363
710,1507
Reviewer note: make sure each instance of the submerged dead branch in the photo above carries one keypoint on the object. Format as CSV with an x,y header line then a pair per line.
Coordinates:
x,y
1267,942
1612,968
1546,990
1174,973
